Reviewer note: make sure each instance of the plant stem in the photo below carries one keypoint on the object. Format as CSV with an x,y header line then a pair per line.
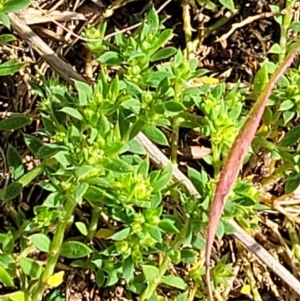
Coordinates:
x,y
286,22
94,222
148,292
133,130
187,28
174,141
54,252
31,175
199,120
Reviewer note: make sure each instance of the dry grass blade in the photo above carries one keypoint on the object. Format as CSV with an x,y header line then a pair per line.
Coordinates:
x,y
157,157
33,16
231,168
28,35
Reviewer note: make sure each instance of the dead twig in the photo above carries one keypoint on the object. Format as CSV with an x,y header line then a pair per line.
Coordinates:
x,y
80,38
29,36
251,19
32,16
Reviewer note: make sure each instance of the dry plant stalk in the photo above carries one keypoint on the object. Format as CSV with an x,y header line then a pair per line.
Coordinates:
x,y
232,165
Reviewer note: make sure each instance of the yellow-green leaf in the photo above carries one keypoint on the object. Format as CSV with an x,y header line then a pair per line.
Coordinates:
x,y
246,289
56,279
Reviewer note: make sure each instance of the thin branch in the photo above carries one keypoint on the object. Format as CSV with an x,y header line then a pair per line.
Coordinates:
x,y
251,19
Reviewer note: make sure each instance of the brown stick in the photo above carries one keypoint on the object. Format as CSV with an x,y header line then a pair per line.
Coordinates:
x,y
157,157
27,34
251,19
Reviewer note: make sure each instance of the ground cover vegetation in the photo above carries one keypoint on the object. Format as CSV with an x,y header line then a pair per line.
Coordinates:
x,y
87,213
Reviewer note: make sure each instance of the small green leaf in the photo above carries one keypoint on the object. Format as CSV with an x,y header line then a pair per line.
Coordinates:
x,y
136,147
164,179
155,233
128,269
183,296
286,105
41,242
33,143
150,272
114,148
17,296
220,230
198,242
292,184
53,200
292,136
80,190
12,191
288,116
162,39
72,112
155,135
5,278
113,278
117,165
110,58
228,227
100,278
85,92
62,157
295,26
189,256
10,67
14,5
114,89
175,106
6,38
30,267
275,49
82,228
174,281
133,89
5,20
83,171
153,20
14,161
229,4
168,226
47,150
123,234
48,125
275,9
261,79
135,129
74,249
175,256
163,54
14,122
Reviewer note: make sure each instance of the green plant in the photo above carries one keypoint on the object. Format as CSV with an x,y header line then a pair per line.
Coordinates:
x,y
90,161
6,7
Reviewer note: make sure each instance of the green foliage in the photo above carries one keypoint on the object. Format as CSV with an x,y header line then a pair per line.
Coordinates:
x,y
93,160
